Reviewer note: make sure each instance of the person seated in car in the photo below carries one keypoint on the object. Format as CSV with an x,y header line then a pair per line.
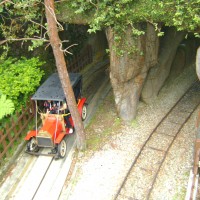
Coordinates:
x,y
54,109
64,109
47,106
51,106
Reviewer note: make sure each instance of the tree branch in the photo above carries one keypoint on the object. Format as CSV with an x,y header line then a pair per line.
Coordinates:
x,y
40,25
21,39
66,49
5,1
94,4
55,18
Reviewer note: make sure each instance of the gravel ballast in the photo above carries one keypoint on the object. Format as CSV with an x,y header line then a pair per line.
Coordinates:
x,y
99,172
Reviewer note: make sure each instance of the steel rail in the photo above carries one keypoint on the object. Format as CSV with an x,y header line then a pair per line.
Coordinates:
x,y
167,151
145,145
43,177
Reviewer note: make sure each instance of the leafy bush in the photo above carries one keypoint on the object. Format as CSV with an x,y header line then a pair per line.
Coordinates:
x,y
20,78
6,106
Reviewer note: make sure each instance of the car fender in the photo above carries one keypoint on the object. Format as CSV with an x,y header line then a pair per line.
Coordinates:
x,y
59,138
80,104
31,134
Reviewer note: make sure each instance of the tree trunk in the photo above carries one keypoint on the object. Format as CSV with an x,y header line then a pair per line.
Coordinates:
x,y
198,63
63,73
159,73
128,72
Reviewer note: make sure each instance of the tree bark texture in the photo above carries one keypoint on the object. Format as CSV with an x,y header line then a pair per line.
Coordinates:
x,y
128,72
63,73
159,73
198,63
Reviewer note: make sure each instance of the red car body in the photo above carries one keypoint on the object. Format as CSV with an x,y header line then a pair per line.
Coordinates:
x,y
53,129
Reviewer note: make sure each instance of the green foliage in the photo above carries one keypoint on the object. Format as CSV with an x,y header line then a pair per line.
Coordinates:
x,y
35,44
20,20
20,78
23,18
6,106
18,14
187,15
119,14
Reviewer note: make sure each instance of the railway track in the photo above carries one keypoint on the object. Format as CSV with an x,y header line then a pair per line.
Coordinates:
x,y
43,177
40,178
142,175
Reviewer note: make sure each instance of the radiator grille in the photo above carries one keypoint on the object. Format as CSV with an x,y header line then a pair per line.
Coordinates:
x,y
44,142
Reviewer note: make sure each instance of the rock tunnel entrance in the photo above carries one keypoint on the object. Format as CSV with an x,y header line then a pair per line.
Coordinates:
x,y
169,56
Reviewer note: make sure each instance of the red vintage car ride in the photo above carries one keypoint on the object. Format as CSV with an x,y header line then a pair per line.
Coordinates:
x,y
52,131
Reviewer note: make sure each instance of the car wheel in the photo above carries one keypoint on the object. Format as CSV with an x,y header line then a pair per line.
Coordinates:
x,y
32,145
62,149
84,112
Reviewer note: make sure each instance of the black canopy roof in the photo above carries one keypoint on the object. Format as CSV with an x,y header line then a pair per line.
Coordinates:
x,y
52,89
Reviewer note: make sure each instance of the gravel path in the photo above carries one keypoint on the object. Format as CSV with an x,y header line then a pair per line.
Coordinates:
x,y
100,170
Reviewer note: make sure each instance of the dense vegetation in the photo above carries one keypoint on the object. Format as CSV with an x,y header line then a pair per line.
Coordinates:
x,y
137,57
21,21
119,14
127,24
19,79
7,106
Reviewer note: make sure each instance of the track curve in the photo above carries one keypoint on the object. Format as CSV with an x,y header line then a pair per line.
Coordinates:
x,y
154,147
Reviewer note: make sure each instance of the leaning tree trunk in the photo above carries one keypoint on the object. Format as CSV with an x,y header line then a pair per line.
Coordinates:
x,y
159,73
128,72
63,73
198,63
